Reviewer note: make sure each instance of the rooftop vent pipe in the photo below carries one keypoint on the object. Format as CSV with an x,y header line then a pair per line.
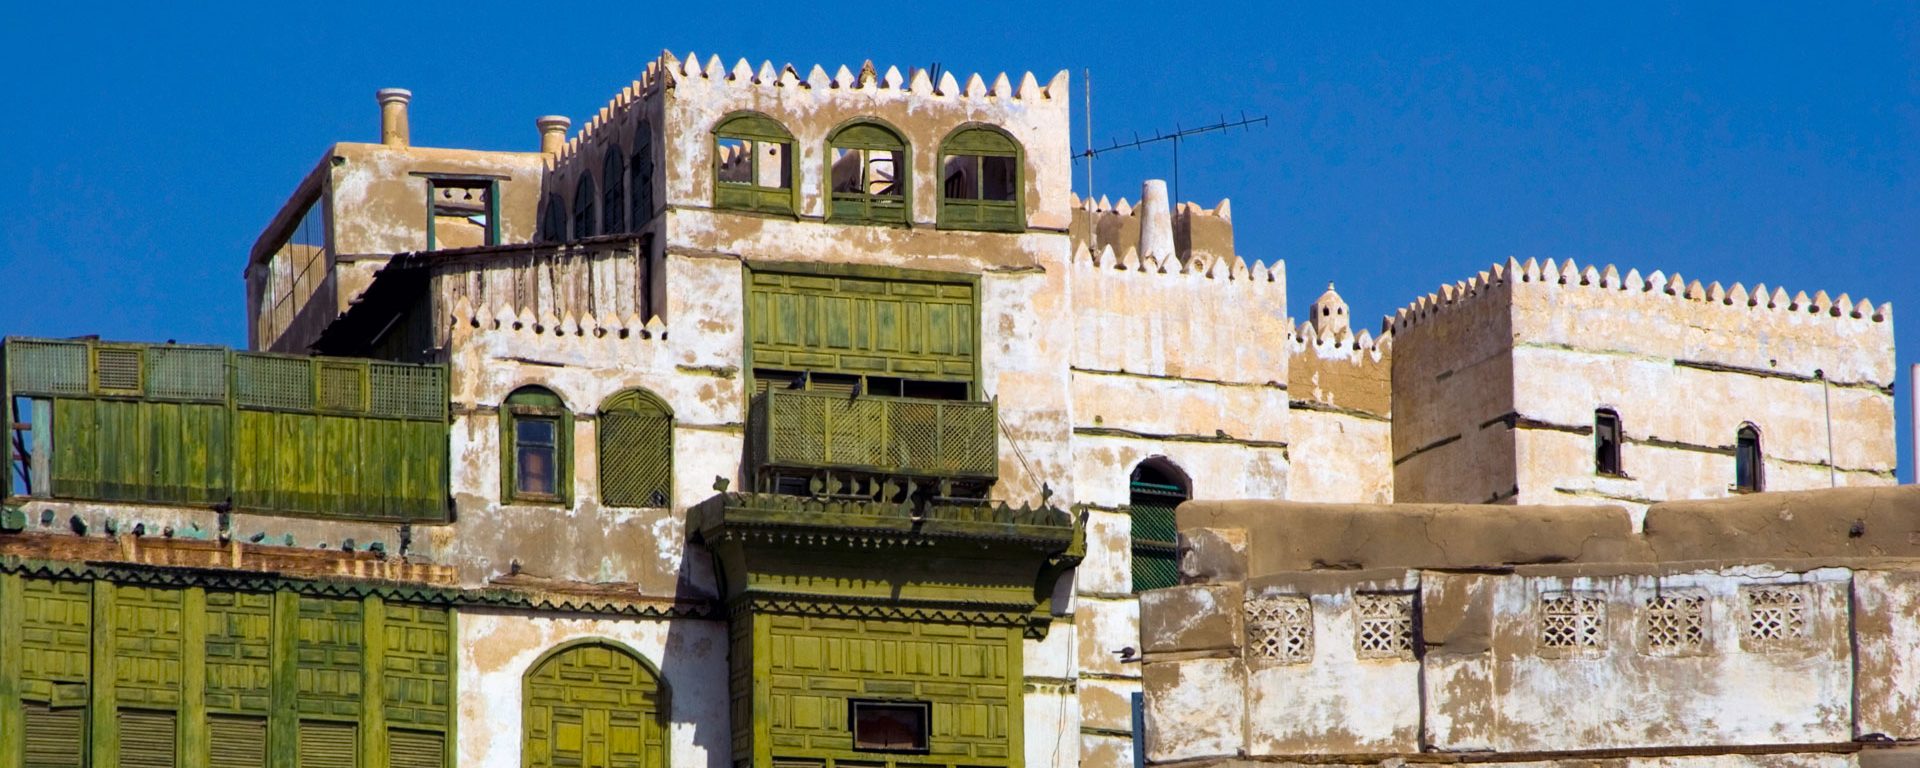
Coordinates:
x,y
553,133
393,116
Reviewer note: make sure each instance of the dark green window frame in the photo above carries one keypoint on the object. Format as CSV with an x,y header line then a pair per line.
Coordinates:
x,y
966,200
757,135
635,431
613,200
867,144
532,406
489,206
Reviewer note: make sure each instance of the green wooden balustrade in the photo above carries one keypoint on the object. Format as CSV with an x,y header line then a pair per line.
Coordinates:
x,y
886,435
280,434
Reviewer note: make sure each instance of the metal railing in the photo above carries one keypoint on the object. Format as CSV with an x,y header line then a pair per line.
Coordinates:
x,y
885,435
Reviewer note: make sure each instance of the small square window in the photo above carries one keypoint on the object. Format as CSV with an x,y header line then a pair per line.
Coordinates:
x,y
889,726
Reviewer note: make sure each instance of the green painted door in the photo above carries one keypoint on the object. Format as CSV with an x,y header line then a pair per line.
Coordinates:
x,y
593,706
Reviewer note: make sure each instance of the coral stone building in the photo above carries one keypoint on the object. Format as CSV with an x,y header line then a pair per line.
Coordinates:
x,y
790,418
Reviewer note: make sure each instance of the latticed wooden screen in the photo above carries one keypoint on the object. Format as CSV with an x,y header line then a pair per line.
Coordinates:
x,y
934,438
636,451
593,704
199,425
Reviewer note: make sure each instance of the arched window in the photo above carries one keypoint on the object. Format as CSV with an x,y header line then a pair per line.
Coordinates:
x,y
584,224
867,172
1749,465
981,181
554,221
753,165
1156,488
640,186
636,451
536,447
613,204
1606,442
593,703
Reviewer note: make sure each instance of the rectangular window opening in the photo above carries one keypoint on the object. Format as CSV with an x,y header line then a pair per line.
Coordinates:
x,y
1747,463
535,456
462,215
1606,443
889,726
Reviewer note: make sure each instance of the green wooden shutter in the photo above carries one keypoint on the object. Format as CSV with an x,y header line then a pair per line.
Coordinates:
x,y
1155,564
147,738
592,702
328,745
236,742
636,458
55,738
416,749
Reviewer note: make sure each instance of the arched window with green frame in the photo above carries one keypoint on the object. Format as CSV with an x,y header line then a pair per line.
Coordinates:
x,y
536,447
594,703
981,181
1156,487
867,174
636,450
613,200
753,165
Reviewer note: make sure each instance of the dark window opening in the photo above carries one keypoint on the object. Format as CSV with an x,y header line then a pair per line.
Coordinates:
x,y
1606,442
867,174
889,726
640,188
613,205
554,222
1749,468
583,222
980,181
463,215
863,386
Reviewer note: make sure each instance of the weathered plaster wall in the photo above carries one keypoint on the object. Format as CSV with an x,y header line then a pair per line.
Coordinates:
x,y
1499,376
1685,367
496,650
1340,392
1453,377
1714,677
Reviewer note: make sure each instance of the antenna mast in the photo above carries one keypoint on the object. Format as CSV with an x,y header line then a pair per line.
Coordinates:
x,y
1178,133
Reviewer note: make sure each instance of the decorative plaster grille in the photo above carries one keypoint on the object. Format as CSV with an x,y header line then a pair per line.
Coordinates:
x,y
1776,614
1573,620
1280,628
1383,626
1676,622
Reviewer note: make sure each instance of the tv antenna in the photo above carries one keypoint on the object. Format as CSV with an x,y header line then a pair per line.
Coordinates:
x,y
1176,136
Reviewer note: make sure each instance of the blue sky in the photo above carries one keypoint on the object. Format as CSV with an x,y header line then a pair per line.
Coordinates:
x,y
1408,146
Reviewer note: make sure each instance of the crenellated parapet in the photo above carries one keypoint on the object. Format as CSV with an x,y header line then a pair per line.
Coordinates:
x,y
672,109
1340,371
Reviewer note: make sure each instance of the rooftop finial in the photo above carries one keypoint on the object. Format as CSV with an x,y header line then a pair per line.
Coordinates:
x,y
1329,314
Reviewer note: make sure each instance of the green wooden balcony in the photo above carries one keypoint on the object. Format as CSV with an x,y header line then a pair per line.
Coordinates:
x,y
891,436
197,426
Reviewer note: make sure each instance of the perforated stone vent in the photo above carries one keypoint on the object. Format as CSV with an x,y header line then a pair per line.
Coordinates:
x,y
1280,628
1573,620
1675,622
1776,615
1383,625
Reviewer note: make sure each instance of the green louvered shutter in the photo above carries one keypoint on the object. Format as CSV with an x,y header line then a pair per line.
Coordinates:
x,y
147,738
1155,565
236,742
55,738
416,749
328,745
